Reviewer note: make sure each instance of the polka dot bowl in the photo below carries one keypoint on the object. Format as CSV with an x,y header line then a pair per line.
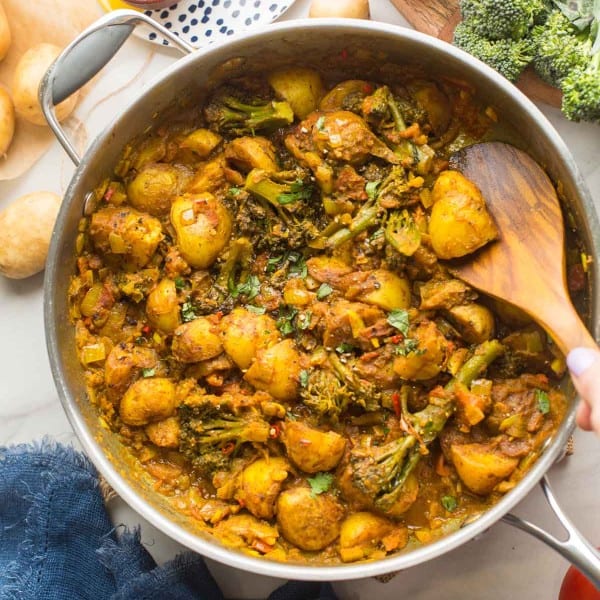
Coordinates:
x,y
200,22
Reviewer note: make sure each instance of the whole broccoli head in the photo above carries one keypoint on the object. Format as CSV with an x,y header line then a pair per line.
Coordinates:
x,y
212,432
509,57
581,92
560,48
507,19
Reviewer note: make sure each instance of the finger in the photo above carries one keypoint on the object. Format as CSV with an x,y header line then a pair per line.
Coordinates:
x,y
583,416
584,365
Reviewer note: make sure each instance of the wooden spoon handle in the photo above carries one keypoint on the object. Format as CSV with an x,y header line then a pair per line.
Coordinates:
x,y
566,328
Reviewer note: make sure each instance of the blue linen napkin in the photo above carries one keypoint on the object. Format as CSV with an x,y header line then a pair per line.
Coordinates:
x,y
57,542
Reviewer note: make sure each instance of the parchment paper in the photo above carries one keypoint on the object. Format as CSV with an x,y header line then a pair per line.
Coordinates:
x,y
32,22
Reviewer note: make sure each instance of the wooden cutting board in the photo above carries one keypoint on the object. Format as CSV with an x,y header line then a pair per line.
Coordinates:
x,y
439,18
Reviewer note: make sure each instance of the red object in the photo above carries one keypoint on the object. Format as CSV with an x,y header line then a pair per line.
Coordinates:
x,y
146,329
576,586
396,404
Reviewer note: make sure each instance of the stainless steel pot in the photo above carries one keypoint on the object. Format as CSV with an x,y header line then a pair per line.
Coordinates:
x,y
280,44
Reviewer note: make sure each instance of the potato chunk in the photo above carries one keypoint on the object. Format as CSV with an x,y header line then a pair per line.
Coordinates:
x,y
152,190
460,222
428,357
301,87
127,232
389,292
480,468
474,322
162,306
252,152
164,433
148,400
202,225
312,450
259,484
197,340
243,333
276,370
309,521
365,535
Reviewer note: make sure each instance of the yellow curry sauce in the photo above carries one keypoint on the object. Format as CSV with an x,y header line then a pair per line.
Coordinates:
x,y
265,318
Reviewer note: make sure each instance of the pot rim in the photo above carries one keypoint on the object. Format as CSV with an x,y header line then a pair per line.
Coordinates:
x,y
213,549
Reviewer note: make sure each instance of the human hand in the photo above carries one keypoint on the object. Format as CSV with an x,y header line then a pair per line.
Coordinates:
x,y
584,365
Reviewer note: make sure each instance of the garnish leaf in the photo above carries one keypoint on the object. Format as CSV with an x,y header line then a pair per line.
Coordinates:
x,y
543,401
449,503
320,483
399,319
324,290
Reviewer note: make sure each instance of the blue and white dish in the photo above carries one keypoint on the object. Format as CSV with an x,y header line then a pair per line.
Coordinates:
x,y
200,22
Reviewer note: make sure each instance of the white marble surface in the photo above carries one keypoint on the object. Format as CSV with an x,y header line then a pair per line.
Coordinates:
x,y
503,563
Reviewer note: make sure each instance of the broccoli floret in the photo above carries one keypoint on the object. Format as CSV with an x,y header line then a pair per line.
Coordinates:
x,y
212,432
228,114
329,392
381,471
560,48
508,19
581,92
509,57
288,194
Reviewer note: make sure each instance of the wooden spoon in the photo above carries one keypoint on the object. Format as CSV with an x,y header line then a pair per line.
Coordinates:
x,y
526,266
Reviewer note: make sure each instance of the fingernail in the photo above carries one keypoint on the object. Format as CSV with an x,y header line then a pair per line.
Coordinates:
x,y
580,360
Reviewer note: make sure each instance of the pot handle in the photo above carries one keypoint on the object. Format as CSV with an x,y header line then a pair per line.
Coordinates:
x,y
576,549
85,56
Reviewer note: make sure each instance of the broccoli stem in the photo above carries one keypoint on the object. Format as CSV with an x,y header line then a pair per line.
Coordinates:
x,y
240,252
365,218
430,421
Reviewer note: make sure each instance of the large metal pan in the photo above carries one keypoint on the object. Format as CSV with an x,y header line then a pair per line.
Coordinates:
x,y
278,44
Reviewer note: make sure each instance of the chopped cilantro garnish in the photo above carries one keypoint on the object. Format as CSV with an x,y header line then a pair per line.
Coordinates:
x,y
179,283
408,346
285,322
399,319
234,191
249,288
543,401
188,312
371,189
344,347
298,191
449,503
320,483
257,310
304,319
304,378
148,372
298,266
324,290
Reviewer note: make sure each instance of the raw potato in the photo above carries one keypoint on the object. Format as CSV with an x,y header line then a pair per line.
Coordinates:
x,y
7,120
29,72
5,35
25,230
352,9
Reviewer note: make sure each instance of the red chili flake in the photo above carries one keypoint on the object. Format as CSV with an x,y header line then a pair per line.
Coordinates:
x,y
396,404
146,329
228,448
108,194
396,339
344,54
368,88
275,431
